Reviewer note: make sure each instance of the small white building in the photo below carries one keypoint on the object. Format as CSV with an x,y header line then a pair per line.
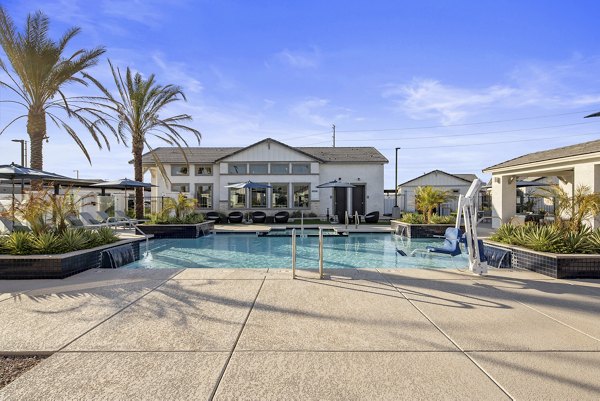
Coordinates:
x,y
455,184
570,166
293,173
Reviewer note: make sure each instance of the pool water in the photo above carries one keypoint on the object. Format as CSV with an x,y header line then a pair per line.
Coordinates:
x,y
360,250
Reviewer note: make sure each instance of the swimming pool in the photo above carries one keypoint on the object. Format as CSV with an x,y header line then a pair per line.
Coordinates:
x,y
362,250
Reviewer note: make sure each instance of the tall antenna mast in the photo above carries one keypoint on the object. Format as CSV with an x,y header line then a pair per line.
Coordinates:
x,y
333,127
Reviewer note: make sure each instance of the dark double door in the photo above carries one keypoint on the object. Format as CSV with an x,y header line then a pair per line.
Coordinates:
x,y
341,201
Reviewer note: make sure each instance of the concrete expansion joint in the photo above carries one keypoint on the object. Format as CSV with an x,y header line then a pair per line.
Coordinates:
x,y
212,395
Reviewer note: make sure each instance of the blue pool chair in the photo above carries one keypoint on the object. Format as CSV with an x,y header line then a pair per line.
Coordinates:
x,y
451,244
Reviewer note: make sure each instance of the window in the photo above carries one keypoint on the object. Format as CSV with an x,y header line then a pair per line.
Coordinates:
x,y
179,169
180,187
258,197
280,195
301,194
204,169
280,168
237,168
204,195
237,198
303,168
258,168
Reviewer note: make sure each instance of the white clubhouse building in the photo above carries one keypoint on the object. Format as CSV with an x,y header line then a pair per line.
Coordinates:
x,y
293,173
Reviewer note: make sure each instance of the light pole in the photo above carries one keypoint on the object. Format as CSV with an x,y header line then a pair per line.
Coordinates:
x,y
77,172
396,209
22,142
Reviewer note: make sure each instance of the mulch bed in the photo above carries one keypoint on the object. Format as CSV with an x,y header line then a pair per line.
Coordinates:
x,y
12,367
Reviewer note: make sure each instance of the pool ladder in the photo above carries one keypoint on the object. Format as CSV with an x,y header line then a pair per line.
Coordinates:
x,y
320,253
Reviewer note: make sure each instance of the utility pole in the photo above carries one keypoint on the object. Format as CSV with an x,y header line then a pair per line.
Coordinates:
x,y
76,171
333,127
396,209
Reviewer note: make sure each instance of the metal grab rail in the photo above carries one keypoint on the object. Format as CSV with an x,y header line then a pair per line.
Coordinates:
x,y
321,252
293,253
346,219
356,219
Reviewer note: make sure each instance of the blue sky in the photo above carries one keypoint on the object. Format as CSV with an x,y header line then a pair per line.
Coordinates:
x,y
459,86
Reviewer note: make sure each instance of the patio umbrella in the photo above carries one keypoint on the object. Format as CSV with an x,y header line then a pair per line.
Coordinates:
x,y
248,184
15,172
335,184
125,184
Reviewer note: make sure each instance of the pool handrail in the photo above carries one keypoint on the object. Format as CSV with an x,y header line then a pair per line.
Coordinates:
x,y
321,252
293,253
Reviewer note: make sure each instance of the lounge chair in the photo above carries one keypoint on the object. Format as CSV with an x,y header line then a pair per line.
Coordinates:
x,y
213,216
259,217
281,217
76,222
90,221
12,226
372,218
235,217
123,216
105,218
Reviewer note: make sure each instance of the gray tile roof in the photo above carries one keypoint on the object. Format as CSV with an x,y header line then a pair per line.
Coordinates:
x,y
566,151
210,155
466,177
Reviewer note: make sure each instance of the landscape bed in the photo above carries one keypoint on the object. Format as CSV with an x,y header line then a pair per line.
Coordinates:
x,y
58,266
177,230
556,265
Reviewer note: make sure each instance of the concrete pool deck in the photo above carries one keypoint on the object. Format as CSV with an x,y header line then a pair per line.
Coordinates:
x,y
257,334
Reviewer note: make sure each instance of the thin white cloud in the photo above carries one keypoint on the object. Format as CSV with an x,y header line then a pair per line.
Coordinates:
x,y
430,99
176,73
311,110
299,59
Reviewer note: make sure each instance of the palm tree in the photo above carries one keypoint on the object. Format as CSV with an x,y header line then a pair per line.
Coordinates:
x,y
572,210
137,109
37,76
428,198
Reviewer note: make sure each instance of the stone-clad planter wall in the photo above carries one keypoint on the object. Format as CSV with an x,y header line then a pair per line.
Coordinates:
x,y
16,267
177,230
553,264
419,230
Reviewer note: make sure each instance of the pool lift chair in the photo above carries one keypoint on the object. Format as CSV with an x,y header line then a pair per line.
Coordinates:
x,y
467,210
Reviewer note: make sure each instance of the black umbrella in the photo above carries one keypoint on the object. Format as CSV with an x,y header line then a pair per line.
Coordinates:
x,y
125,184
15,172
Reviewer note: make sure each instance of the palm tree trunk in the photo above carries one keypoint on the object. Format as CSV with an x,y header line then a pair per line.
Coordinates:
x,y
36,129
138,149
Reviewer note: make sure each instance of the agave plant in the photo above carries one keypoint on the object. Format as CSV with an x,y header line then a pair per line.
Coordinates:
x,y
594,239
46,243
73,240
18,243
577,241
542,238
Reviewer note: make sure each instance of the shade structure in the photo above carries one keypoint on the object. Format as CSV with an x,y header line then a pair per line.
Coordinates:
x,y
248,184
125,184
14,172
336,184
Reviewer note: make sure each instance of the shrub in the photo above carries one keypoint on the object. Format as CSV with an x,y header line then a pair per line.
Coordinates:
x,y
45,243
29,243
435,219
551,238
413,218
18,243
